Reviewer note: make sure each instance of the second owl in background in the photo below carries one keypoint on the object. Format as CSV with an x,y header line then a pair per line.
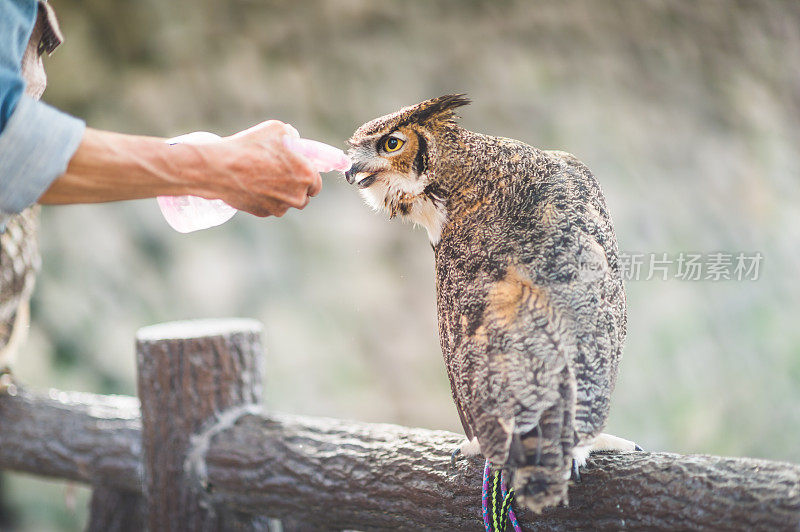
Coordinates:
x,y
530,296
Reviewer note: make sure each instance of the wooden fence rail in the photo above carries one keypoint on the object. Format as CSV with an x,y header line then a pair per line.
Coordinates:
x,y
202,455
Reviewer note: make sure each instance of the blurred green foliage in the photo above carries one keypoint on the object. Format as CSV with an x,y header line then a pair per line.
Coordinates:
x,y
688,113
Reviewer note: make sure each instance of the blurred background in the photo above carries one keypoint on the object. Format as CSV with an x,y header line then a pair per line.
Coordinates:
x,y
688,113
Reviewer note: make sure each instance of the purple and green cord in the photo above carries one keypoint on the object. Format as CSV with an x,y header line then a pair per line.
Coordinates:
x,y
506,511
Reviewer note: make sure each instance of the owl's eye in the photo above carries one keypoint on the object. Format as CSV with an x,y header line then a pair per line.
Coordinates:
x,y
392,144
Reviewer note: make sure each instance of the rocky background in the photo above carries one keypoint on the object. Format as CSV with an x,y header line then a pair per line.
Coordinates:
x,y
687,112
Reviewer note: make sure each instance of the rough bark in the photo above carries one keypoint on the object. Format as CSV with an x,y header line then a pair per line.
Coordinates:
x,y
75,436
189,373
329,474
80,437
367,476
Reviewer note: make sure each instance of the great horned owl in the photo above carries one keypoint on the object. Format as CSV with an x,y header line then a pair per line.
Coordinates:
x,y
530,297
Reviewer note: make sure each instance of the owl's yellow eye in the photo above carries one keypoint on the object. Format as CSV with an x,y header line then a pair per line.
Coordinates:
x,y
392,144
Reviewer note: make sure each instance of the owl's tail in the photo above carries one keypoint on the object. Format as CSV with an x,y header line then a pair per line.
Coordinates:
x,y
538,488
541,480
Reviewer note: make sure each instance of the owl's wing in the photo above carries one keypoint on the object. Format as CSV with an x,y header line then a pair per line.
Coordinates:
x,y
524,393
520,397
546,361
542,316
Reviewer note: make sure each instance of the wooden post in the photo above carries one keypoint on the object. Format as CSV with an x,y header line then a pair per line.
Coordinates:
x,y
113,510
190,372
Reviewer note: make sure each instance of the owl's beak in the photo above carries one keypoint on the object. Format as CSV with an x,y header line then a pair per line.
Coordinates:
x,y
355,169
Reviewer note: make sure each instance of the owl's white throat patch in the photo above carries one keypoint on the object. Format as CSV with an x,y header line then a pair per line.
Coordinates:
x,y
398,195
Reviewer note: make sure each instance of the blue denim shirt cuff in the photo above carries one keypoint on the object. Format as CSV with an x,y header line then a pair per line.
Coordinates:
x,y
35,148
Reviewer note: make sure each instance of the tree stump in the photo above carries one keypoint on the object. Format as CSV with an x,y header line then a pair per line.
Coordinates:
x,y
189,373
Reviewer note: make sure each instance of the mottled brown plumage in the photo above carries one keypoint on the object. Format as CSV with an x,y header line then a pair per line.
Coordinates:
x,y
19,262
530,297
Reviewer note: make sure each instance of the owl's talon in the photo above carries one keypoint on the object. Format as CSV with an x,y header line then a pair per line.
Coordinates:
x,y
454,457
576,472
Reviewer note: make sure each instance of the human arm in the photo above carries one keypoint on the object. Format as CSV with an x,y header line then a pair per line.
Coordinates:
x,y
251,170
49,156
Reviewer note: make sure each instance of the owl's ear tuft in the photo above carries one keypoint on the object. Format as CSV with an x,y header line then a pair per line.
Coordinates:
x,y
441,108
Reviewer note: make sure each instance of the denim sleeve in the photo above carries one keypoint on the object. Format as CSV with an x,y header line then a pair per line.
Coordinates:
x,y
17,18
36,140
35,148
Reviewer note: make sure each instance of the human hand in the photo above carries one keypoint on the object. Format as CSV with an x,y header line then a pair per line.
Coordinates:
x,y
254,171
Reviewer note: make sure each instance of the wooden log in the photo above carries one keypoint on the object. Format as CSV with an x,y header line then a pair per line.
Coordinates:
x,y
81,437
334,474
339,474
189,372
74,436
